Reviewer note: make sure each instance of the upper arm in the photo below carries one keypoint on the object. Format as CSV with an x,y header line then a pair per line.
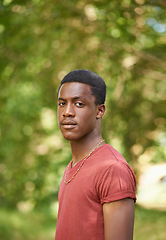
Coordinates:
x,y
119,219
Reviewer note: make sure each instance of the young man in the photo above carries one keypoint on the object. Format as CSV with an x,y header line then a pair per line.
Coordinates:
x,y
97,192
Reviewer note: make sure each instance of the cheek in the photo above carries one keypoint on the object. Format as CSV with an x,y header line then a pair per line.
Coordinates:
x,y
59,120
59,115
89,121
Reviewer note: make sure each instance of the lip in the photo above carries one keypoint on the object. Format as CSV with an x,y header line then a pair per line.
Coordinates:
x,y
68,124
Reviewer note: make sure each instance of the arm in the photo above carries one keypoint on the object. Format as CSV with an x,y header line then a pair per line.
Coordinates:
x,y
119,219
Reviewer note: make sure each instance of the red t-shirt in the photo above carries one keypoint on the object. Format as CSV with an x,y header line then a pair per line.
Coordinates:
x,y
104,177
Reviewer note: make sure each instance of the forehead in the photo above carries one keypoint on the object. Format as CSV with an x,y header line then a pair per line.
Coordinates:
x,y
75,89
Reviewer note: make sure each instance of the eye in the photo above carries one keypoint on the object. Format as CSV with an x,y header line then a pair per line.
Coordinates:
x,y
61,103
79,104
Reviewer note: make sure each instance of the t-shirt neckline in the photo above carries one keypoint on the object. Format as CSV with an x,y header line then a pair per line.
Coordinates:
x,y
70,168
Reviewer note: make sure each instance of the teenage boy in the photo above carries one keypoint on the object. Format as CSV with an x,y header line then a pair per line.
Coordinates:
x,y
97,192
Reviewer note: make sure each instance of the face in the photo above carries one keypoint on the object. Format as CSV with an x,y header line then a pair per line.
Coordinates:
x,y
77,111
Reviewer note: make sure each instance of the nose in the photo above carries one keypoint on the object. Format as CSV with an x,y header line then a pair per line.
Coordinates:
x,y
68,110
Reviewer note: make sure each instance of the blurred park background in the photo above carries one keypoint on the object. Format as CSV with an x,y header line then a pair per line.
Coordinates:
x,y
40,41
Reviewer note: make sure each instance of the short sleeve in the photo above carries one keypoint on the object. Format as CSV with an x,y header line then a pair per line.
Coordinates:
x,y
116,183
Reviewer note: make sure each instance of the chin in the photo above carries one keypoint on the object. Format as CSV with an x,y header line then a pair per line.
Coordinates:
x,y
70,138
73,137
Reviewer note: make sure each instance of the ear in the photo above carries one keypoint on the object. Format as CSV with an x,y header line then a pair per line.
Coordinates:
x,y
100,111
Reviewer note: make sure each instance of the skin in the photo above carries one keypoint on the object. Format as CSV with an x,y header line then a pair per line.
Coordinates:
x,y
79,120
119,219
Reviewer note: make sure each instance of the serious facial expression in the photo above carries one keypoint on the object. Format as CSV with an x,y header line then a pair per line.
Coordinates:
x,y
76,111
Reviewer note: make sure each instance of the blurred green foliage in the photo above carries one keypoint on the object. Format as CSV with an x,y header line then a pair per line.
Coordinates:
x,y
40,41
149,225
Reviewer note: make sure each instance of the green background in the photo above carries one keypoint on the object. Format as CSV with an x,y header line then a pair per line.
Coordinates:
x,y
41,41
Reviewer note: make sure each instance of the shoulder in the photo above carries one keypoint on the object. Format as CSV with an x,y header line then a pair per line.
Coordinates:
x,y
118,173
114,176
114,163
108,157
107,151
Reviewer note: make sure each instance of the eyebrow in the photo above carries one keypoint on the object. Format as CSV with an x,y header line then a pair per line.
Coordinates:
x,y
74,98
61,99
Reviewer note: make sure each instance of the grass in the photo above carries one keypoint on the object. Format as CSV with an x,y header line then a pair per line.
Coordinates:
x,y
149,225
28,226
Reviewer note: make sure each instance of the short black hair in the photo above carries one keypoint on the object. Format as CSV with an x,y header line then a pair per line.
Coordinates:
x,y
97,84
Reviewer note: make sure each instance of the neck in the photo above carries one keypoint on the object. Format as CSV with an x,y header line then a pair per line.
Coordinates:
x,y
82,148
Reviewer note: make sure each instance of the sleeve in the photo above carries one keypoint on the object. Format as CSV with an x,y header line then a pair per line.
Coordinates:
x,y
116,183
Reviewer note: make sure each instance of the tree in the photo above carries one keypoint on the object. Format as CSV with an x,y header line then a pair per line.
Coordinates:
x,y
41,41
